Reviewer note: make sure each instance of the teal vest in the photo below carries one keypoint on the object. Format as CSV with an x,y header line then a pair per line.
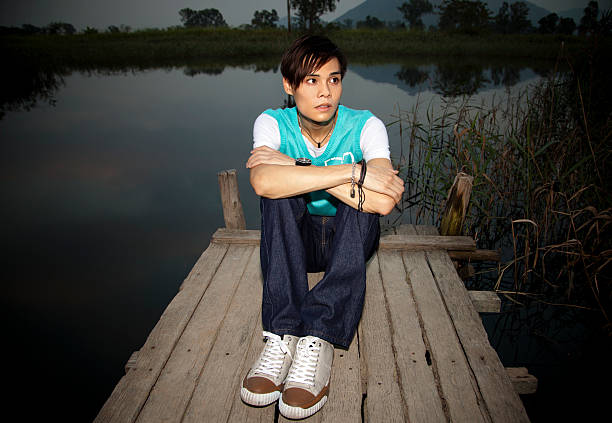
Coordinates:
x,y
343,147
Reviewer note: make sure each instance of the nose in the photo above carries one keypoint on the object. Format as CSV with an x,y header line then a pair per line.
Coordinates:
x,y
324,90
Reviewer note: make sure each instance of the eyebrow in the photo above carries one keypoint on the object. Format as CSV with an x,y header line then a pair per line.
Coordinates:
x,y
333,73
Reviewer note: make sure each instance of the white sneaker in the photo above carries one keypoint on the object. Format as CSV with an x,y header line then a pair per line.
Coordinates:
x,y
263,384
307,384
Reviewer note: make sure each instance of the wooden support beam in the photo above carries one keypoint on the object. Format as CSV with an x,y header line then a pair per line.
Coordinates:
x,y
387,242
476,255
131,363
485,301
426,242
523,382
230,199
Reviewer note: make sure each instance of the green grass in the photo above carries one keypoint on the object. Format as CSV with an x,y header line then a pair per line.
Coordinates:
x,y
158,47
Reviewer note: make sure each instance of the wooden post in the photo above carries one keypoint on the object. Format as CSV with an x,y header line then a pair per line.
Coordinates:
x,y
456,205
230,198
453,217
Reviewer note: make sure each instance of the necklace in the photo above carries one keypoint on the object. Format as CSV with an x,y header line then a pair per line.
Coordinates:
x,y
310,135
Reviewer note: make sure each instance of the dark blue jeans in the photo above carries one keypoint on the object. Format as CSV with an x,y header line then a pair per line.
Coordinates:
x,y
294,242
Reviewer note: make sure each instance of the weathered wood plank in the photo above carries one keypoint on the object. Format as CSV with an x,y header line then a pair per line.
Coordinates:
x,y
241,412
485,301
176,383
344,402
500,398
420,242
416,379
384,398
220,379
387,242
232,236
130,394
230,200
448,360
476,255
523,382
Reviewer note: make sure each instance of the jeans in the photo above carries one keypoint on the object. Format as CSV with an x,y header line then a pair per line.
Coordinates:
x,y
294,242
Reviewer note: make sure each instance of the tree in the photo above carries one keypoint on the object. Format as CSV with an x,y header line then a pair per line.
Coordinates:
x,y
518,17
60,28
548,24
502,19
29,29
566,26
588,22
264,19
309,11
464,16
202,18
371,22
413,10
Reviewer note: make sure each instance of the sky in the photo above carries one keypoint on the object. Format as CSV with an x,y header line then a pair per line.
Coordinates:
x,y
163,13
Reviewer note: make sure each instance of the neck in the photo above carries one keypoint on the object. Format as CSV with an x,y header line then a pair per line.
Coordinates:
x,y
315,127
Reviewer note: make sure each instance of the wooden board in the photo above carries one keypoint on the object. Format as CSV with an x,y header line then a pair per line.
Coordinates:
x,y
416,377
501,401
175,385
219,382
384,400
448,361
387,242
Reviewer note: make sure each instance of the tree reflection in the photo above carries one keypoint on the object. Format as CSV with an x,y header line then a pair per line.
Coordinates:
x,y
506,75
412,76
24,86
455,80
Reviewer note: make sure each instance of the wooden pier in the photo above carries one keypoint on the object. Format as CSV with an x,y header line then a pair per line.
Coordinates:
x,y
420,354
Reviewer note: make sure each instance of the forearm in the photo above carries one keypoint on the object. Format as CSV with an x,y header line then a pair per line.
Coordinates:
x,y
280,181
374,202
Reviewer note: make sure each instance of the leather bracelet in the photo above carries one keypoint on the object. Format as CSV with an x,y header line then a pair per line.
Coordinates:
x,y
364,169
353,180
360,185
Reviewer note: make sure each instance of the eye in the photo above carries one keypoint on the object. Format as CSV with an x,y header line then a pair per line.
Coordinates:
x,y
311,80
334,80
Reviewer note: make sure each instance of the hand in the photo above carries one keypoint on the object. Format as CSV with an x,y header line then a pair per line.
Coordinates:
x,y
385,181
267,155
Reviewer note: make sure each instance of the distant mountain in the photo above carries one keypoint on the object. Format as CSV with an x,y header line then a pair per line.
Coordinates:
x,y
387,10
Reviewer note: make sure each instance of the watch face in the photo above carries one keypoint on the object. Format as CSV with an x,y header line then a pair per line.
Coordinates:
x,y
302,161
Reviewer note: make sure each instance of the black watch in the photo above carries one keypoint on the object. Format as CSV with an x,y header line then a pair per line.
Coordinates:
x,y
302,161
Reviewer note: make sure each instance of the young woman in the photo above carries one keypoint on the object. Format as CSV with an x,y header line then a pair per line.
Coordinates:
x,y
324,176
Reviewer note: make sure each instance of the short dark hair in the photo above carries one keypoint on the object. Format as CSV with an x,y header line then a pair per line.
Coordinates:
x,y
306,54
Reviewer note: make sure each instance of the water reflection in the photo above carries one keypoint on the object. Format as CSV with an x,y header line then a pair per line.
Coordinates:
x,y
24,86
111,195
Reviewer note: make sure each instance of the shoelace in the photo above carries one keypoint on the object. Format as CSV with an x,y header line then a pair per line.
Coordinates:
x,y
305,363
273,355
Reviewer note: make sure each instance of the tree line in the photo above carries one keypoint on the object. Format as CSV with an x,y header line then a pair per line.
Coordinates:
x,y
465,16
473,16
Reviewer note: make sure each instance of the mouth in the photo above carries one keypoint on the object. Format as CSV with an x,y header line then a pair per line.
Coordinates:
x,y
324,107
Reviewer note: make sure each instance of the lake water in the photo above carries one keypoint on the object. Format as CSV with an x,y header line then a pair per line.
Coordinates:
x,y
110,194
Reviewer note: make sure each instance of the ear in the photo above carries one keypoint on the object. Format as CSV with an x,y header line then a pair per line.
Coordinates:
x,y
287,86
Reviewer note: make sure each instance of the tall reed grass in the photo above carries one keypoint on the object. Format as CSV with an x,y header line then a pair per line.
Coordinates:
x,y
540,162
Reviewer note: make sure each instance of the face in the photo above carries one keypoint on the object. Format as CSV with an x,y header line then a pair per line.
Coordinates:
x,y
319,94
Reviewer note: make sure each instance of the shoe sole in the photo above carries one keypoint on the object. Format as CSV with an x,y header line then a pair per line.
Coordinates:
x,y
258,400
297,412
